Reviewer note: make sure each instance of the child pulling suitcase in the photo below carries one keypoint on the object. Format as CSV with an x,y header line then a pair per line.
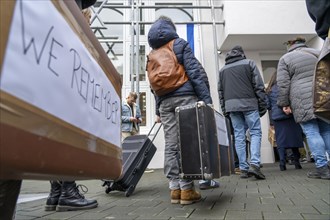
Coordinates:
x,y
138,151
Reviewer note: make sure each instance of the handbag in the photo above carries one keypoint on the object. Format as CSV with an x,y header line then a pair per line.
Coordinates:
x,y
271,136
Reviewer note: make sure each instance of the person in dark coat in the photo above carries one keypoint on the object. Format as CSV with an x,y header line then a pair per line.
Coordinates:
x,y
242,95
288,133
195,89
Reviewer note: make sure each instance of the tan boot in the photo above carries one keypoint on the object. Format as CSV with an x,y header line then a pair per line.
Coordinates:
x,y
175,196
189,196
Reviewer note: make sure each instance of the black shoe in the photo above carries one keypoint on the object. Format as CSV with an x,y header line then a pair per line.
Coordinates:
x,y
244,174
255,171
282,167
297,166
54,195
320,173
71,199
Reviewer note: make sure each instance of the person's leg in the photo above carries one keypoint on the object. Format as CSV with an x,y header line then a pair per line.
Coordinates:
x,y
238,123
125,135
296,158
252,119
172,156
318,149
9,191
281,153
325,133
54,195
315,142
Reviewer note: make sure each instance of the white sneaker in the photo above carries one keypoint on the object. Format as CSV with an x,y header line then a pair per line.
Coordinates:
x,y
149,171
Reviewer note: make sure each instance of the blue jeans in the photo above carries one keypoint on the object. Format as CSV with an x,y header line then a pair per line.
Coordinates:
x,y
318,138
252,120
172,155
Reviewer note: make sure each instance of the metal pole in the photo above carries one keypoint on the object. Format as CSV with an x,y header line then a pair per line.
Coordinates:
x,y
215,39
137,64
164,6
132,46
200,38
149,22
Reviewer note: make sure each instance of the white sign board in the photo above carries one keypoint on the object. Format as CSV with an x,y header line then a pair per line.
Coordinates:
x,y
221,129
47,65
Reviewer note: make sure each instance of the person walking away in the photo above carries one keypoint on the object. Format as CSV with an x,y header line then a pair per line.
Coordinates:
x,y
288,134
192,88
130,116
243,105
295,83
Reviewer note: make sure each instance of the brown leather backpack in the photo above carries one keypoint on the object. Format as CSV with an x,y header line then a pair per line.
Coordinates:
x,y
165,73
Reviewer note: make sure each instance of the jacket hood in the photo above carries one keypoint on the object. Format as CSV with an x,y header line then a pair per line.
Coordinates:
x,y
161,32
235,54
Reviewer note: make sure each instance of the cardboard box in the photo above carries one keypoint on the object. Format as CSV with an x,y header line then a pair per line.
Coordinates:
x,y
59,95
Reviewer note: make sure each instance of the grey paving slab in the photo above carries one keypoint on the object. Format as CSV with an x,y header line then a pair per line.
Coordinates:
x,y
304,209
281,216
283,195
315,217
209,214
253,215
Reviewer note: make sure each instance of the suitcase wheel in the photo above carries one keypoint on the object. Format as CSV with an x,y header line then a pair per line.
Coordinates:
x,y
129,191
107,190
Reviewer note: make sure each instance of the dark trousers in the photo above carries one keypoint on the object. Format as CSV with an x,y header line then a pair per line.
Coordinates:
x,y
282,154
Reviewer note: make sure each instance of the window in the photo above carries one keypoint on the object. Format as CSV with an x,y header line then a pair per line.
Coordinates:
x,y
142,61
143,107
176,14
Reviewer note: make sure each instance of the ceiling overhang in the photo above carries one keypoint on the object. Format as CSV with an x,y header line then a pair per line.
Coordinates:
x,y
260,42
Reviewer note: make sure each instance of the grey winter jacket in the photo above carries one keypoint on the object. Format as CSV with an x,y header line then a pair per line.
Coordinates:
x,y
295,81
160,33
240,85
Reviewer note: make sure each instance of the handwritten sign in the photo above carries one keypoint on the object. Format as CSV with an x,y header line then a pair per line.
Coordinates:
x,y
47,65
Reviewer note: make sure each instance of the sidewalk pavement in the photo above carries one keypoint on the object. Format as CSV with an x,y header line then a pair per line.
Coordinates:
x,y
283,195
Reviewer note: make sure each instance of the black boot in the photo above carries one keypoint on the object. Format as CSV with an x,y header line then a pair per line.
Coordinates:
x,y
296,158
282,164
54,195
297,165
71,199
282,167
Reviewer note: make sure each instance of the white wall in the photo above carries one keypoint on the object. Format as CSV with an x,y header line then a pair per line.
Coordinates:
x,y
268,16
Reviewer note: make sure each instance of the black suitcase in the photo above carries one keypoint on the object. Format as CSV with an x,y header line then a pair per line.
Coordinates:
x,y
138,151
198,143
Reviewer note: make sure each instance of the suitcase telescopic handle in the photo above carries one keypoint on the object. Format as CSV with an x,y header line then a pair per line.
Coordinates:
x,y
152,140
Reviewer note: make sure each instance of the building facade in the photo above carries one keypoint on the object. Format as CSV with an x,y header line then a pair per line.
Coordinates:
x,y
212,27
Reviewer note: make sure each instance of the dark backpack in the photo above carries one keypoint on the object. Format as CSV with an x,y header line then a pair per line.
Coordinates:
x,y
165,73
